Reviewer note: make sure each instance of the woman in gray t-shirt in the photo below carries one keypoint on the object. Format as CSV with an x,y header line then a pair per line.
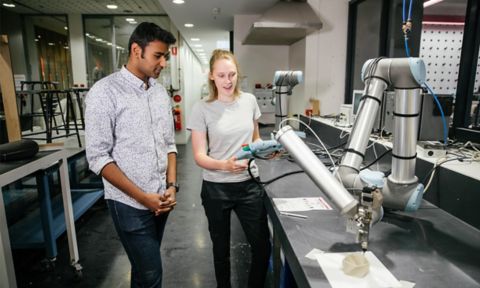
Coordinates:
x,y
219,126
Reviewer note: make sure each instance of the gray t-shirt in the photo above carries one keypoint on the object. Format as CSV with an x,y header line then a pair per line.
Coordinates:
x,y
228,126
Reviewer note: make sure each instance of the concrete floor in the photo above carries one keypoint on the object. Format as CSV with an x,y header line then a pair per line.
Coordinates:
x,y
186,248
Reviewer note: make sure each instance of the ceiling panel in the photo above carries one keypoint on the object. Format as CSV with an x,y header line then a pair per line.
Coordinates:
x,y
89,6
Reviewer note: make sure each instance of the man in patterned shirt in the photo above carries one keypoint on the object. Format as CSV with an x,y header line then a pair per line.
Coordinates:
x,y
130,142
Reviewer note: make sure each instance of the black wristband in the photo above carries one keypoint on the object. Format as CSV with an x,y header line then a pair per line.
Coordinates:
x,y
173,184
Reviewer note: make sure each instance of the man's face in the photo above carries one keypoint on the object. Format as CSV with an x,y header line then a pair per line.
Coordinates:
x,y
154,58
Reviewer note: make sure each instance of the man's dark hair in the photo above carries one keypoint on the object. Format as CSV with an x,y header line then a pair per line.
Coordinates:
x,y
147,32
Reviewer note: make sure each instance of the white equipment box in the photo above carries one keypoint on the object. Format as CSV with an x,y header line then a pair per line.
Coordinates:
x,y
264,100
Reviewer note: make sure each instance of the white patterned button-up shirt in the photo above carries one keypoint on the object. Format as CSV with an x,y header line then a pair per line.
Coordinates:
x,y
132,127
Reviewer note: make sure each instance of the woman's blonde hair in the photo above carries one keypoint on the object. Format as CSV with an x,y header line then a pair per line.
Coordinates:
x,y
219,54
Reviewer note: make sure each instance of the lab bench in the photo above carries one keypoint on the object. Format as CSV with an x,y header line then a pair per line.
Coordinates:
x,y
429,247
41,227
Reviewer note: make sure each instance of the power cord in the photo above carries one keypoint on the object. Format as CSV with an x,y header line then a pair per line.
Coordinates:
x,y
262,184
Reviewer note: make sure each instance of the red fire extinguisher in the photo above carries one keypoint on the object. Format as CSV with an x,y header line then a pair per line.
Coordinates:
x,y
177,118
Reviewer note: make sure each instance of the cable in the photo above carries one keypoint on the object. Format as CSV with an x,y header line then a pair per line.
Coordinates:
x,y
265,183
406,25
314,134
434,168
444,121
375,161
330,148
438,164
410,11
407,51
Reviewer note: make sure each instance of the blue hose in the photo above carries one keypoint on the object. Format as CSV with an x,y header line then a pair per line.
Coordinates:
x,y
410,10
444,121
407,51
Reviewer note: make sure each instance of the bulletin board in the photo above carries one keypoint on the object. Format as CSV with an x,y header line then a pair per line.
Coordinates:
x,y
440,49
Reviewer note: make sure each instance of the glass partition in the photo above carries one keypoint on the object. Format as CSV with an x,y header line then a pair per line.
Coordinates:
x,y
107,42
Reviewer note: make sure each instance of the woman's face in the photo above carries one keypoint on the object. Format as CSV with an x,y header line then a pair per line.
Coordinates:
x,y
224,75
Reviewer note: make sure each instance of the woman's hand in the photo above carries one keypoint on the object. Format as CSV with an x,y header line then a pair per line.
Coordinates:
x,y
235,166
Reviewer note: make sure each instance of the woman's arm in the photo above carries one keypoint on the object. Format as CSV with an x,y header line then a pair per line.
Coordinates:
x,y
256,132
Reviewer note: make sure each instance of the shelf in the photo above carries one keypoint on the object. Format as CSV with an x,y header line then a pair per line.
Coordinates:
x,y
28,232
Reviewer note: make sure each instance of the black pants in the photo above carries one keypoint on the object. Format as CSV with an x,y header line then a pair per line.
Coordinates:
x,y
246,200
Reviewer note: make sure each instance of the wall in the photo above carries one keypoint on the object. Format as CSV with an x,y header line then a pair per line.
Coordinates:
x,y
299,99
325,57
77,49
257,62
321,56
191,77
11,25
440,48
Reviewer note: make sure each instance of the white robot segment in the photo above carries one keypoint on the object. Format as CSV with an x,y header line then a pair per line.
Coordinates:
x,y
284,82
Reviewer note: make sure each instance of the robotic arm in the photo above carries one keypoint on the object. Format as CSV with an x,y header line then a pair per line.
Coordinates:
x,y
401,189
284,82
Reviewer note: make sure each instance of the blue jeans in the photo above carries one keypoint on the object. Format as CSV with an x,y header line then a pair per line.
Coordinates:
x,y
246,200
141,234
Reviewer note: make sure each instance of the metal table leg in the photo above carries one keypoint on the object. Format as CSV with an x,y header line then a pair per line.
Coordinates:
x,y
7,271
69,220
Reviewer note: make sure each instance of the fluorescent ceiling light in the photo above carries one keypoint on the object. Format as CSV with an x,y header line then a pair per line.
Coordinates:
x,y
178,1
195,39
188,25
10,5
443,23
431,2
130,19
133,22
112,6
197,45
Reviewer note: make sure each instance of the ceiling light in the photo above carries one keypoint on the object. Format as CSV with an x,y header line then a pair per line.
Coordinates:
x,y
133,22
178,1
9,5
195,39
430,3
130,19
443,23
199,50
66,28
188,25
197,45
112,6
51,44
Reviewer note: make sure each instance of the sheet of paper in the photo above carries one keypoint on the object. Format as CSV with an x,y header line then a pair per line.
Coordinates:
x,y
407,284
301,204
312,255
378,277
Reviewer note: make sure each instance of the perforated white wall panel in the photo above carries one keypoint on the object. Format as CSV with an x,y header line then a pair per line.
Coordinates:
x,y
440,48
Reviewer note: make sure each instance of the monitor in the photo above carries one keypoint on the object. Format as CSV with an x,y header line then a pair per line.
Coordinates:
x,y
356,96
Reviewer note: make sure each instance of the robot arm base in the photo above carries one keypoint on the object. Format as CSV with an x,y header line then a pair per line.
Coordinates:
x,y
404,197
